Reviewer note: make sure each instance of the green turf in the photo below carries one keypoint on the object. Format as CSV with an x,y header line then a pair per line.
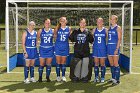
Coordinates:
x,y
13,83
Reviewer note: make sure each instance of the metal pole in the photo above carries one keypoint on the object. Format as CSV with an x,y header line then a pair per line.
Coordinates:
x,y
131,35
7,34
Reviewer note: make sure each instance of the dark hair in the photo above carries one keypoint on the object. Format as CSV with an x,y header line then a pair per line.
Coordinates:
x,y
82,19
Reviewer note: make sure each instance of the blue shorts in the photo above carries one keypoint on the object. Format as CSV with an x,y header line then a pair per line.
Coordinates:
x,y
61,50
32,53
111,49
46,52
99,53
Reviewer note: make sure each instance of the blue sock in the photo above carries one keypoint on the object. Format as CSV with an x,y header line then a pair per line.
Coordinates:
x,y
113,72
31,71
58,69
63,68
48,70
40,70
96,71
103,70
117,73
26,71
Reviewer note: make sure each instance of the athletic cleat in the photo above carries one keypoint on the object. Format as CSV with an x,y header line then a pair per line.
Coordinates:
x,y
64,79
116,82
96,79
58,79
40,79
48,79
111,80
102,80
26,81
32,79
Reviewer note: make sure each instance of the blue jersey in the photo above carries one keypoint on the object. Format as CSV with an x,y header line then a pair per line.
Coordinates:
x,y
62,35
31,39
46,38
113,35
62,43
99,39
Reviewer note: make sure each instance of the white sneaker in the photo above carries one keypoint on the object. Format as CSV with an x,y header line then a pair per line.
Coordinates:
x,y
64,79
32,79
58,79
111,80
96,79
26,81
102,80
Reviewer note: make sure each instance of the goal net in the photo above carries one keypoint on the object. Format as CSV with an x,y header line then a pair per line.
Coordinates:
x,y
19,13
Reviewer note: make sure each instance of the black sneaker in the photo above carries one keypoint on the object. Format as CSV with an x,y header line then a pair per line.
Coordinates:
x,y
75,79
84,80
48,79
40,79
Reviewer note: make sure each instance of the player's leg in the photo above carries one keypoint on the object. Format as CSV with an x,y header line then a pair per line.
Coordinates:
x,y
63,67
26,71
48,68
117,69
112,68
41,67
85,69
96,69
103,69
58,63
32,70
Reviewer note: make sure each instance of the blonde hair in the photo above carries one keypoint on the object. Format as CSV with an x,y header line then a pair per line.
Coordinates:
x,y
59,24
46,19
100,18
31,22
115,17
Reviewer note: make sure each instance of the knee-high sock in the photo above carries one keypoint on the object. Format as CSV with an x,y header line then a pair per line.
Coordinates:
x,y
63,68
40,70
58,69
48,70
103,70
113,72
26,71
117,73
31,71
96,71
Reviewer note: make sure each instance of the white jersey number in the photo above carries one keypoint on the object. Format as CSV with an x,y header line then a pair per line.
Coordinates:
x,y
63,38
33,42
47,39
109,37
99,39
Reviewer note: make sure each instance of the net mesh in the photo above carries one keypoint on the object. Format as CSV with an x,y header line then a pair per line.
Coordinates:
x,y
73,14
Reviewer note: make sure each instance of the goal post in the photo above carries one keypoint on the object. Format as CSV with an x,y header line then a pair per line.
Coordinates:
x,y
18,16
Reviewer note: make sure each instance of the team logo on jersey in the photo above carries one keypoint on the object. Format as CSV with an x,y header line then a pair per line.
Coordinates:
x,y
81,38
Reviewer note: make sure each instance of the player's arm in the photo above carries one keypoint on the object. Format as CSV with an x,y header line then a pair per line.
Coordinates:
x,y
38,36
91,39
72,36
119,31
23,42
70,30
106,30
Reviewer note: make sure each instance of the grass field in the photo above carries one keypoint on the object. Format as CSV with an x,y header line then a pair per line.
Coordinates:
x,y
13,82
130,83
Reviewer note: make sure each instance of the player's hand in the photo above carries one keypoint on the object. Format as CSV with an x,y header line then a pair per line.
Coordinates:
x,y
116,52
25,55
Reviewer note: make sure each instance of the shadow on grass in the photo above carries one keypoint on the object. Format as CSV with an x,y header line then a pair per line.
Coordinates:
x,y
53,86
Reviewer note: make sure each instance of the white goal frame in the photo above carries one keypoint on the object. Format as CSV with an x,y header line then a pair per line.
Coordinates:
x,y
14,3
